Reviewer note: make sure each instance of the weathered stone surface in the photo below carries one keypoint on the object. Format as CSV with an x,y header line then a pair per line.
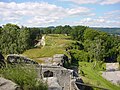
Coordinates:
x,y
8,85
15,58
62,74
112,66
112,76
53,83
60,59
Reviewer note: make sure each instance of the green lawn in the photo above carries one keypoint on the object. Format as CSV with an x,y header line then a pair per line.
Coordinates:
x,y
55,44
93,76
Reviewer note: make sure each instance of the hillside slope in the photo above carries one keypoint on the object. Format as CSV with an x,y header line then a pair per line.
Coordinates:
x,y
55,44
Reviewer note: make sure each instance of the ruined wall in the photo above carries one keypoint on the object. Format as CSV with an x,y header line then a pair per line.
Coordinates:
x,y
63,75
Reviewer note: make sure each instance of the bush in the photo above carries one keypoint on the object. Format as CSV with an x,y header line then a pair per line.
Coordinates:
x,y
25,77
82,73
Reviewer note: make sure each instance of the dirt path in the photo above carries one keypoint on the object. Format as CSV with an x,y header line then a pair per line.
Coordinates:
x,y
41,42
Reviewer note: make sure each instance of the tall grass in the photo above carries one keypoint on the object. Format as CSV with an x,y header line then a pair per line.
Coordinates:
x,y
25,77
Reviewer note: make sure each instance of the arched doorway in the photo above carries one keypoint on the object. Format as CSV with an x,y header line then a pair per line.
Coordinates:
x,y
48,73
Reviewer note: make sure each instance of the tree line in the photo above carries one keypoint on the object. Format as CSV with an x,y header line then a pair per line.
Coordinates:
x,y
14,39
90,44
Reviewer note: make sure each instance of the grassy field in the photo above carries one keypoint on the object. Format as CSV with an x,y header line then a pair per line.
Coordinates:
x,y
93,76
55,44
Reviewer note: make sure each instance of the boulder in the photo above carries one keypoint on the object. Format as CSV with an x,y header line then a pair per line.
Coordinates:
x,y
60,59
18,59
8,85
53,83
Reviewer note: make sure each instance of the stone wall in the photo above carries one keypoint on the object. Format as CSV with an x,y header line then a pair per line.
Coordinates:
x,y
15,58
63,75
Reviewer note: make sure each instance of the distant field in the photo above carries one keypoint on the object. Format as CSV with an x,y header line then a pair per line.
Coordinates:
x,y
93,76
55,44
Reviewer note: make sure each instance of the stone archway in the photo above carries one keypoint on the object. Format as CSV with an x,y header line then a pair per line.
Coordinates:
x,y
48,73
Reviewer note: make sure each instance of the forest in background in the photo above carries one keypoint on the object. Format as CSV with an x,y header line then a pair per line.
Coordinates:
x,y
90,44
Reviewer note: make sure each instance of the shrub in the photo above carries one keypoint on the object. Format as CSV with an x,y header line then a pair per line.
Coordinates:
x,y
24,76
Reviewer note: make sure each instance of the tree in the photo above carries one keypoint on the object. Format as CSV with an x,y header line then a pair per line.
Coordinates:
x,y
78,32
14,39
90,34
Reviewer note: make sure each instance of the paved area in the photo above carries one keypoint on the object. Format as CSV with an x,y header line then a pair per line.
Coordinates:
x,y
113,76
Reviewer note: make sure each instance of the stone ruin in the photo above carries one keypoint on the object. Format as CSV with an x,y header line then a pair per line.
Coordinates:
x,y
56,60
57,77
6,84
19,59
60,59
60,74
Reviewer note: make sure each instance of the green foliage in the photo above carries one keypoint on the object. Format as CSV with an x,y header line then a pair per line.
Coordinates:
x,y
90,34
118,58
78,55
78,32
14,39
98,45
76,45
55,44
25,77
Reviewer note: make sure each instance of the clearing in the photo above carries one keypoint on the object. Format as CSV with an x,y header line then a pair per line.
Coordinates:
x,y
55,44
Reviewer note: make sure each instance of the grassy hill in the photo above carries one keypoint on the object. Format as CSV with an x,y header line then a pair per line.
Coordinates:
x,y
55,44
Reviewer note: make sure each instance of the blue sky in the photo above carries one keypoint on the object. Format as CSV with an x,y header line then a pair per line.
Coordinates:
x,y
38,13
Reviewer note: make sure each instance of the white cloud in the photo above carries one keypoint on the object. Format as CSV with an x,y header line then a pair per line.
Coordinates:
x,y
102,2
112,15
109,2
78,10
98,22
34,13
83,1
108,19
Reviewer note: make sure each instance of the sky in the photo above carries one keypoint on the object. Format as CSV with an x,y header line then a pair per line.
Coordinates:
x,y
41,13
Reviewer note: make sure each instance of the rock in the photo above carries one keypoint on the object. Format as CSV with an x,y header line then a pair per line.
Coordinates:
x,y
53,83
112,66
18,59
60,59
8,85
